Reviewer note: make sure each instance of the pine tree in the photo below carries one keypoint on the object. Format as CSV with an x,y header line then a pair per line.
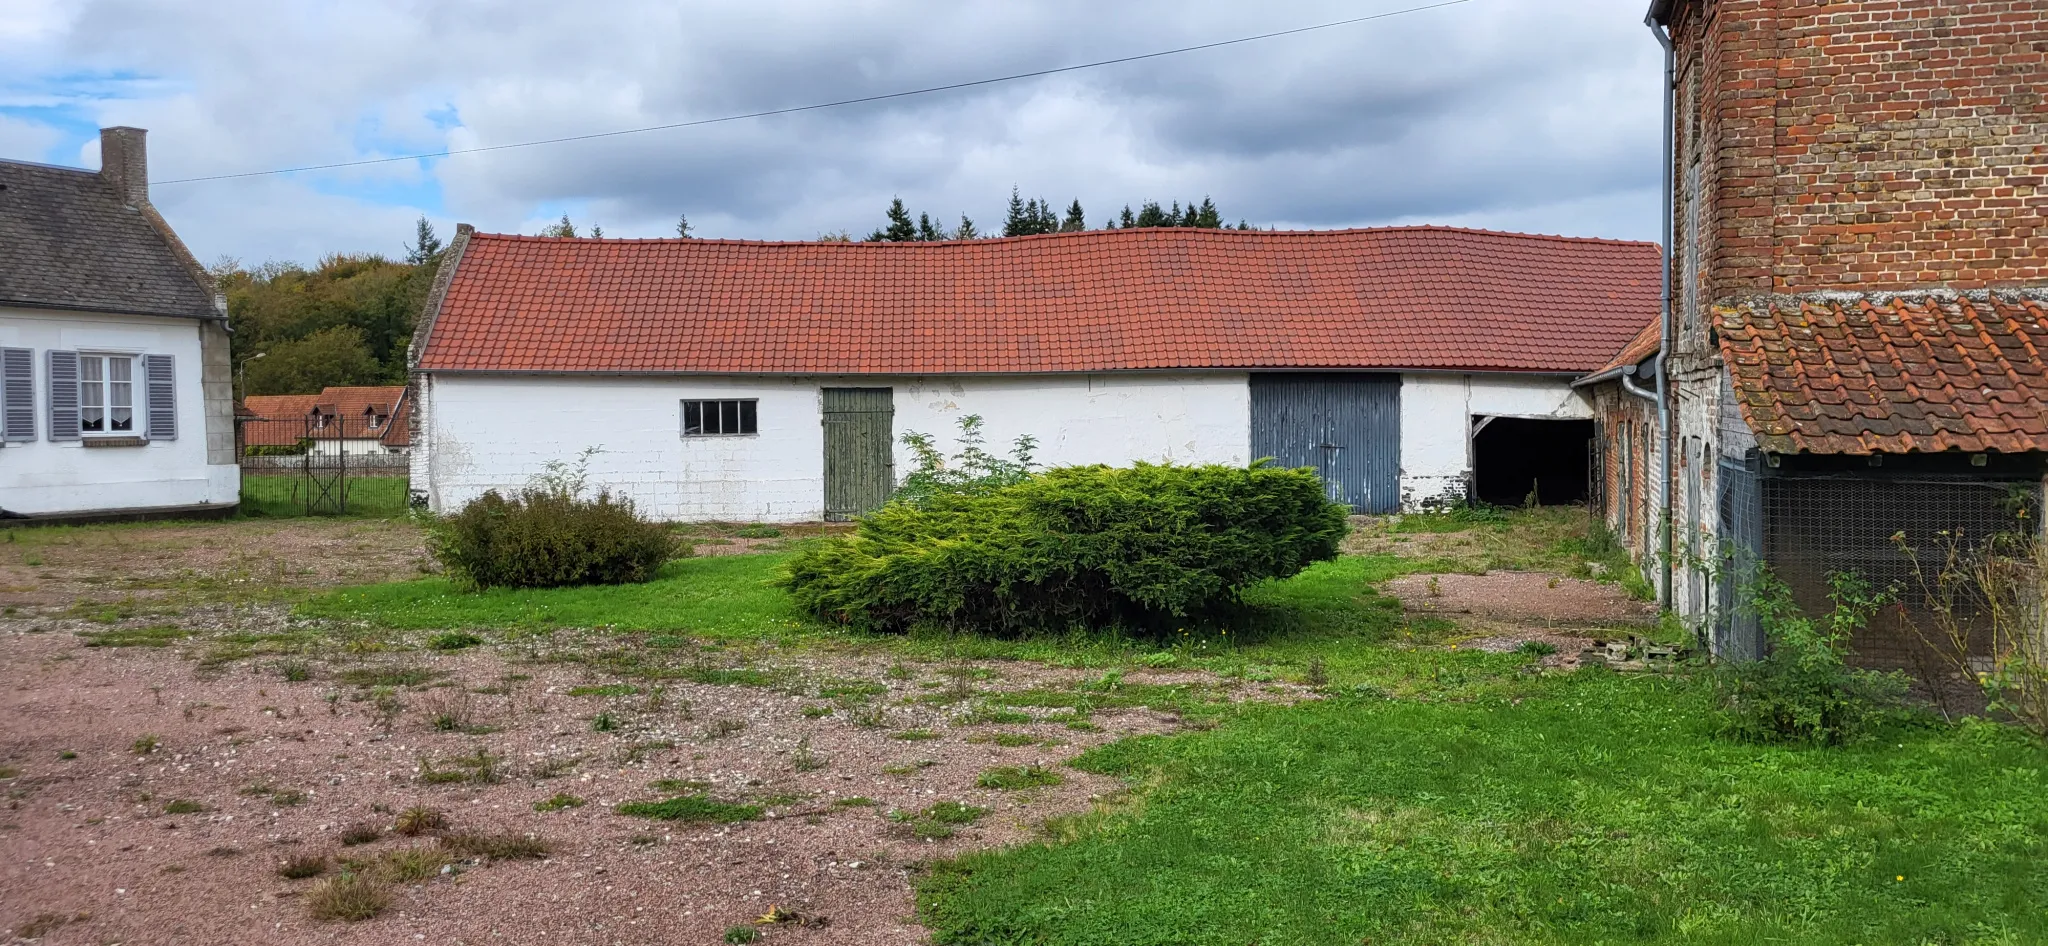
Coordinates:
x,y
927,233
683,226
560,228
900,229
597,233
1150,215
1076,220
426,247
1205,217
966,230
1015,223
1128,220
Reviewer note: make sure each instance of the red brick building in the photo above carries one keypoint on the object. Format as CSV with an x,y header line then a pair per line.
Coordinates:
x,y
1858,273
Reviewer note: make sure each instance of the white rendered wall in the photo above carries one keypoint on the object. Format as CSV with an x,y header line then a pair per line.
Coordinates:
x,y
479,432
1436,423
43,477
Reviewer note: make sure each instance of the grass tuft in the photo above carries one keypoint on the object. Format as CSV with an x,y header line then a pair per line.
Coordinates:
x,y
418,820
360,833
1018,777
302,866
692,809
348,898
558,801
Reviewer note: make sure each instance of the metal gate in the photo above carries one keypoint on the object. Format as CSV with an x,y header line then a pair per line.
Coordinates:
x,y
307,461
1345,426
860,470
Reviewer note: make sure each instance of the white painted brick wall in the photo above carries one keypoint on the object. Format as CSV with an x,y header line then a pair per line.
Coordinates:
x,y
1436,421
479,432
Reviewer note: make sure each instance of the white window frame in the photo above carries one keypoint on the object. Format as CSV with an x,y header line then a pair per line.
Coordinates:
x,y
105,391
748,409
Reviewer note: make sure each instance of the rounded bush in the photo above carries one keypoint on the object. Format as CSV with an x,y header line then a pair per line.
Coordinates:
x,y
543,538
1077,546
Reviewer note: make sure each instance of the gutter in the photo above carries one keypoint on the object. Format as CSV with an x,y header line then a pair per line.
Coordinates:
x,y
1658,11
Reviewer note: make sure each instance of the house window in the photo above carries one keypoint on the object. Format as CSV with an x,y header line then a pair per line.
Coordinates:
x,y
106,394
718,418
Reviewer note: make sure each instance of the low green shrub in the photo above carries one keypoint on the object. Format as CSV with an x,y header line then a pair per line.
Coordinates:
x,y
1142,548
1805,691
549,538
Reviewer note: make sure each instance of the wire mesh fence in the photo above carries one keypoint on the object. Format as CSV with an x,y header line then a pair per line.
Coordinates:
x,y
1895,533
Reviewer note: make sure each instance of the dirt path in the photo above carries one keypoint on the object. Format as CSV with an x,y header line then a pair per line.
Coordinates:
x,y
158,565
277,769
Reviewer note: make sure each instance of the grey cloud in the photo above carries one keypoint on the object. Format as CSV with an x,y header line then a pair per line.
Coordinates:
x,y
1533,112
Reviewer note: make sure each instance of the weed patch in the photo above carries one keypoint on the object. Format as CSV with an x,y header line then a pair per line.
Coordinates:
x,y
559,801
938,822
691,808
1018,777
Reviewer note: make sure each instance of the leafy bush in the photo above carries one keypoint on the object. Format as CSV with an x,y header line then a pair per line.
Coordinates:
x,y
549,537
972,471
1087,546
1805,692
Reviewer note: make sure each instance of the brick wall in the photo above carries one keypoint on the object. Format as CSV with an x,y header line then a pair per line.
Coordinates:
x,y
1861,145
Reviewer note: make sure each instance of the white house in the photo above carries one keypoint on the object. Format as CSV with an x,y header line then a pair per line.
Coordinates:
x,y
774,381
114,389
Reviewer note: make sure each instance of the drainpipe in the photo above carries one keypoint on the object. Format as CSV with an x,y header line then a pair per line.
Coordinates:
x,y
1664,314
1628,383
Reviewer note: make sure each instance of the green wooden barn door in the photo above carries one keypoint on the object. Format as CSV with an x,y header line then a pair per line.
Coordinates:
x,y
859,469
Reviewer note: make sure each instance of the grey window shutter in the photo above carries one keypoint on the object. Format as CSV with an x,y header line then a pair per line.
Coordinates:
x,y
17,394
63,395
160,379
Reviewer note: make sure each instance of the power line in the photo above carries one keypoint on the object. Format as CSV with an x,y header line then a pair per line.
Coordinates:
x,y
821,105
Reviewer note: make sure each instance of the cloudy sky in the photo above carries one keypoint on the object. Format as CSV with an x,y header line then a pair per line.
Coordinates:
x,y
1532,115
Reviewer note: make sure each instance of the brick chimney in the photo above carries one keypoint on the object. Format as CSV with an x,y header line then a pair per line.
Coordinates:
x,y
124,163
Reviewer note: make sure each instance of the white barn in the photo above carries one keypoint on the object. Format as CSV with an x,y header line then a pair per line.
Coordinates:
x,y
114,390
739,380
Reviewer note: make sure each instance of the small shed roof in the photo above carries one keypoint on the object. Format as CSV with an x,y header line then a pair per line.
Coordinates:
x,y
1849,373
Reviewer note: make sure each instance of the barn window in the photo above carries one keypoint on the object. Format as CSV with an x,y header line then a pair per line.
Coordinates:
x,y
718,418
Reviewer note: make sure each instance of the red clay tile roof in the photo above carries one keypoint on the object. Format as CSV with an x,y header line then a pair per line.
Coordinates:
x,y
279,419
398,433
280,405
1834,373
1638,348
1405,297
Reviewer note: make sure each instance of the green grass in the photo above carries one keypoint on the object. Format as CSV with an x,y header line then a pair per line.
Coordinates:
x,y
159,636
691,808
283,496
1012,778
1597,809
1438,795
716,597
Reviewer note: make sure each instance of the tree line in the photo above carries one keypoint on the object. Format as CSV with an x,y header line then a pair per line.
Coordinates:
x,y
1026,217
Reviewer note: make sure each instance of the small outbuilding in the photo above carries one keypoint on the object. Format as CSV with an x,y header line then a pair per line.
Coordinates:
x,y
720,379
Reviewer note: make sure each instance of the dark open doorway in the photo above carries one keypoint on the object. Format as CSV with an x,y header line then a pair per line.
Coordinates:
x,y
1514,458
